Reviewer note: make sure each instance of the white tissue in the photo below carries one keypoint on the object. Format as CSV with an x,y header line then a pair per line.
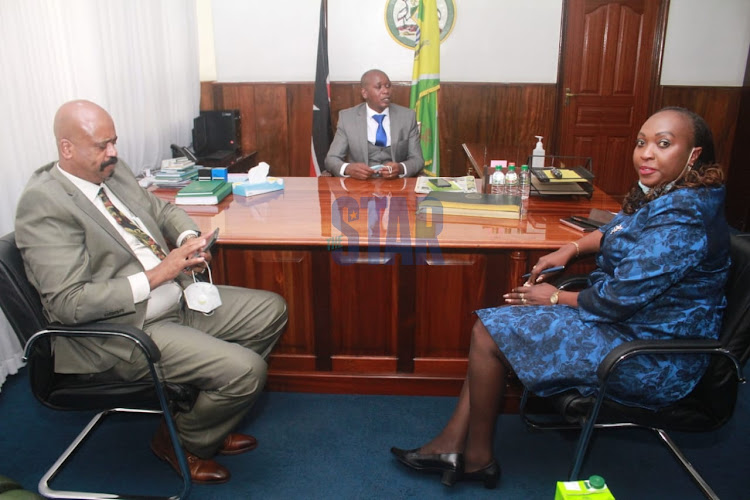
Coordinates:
x,y
258,174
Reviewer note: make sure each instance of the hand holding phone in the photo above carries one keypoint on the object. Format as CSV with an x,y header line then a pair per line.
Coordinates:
x,y
211,240
546,271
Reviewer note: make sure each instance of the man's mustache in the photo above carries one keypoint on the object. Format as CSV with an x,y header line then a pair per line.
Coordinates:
x,y
107,163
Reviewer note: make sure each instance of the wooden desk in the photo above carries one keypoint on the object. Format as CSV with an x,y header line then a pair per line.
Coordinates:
x,y
380,300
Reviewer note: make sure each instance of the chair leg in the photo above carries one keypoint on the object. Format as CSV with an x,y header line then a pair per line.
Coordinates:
x,y
46,491
702,484
585,438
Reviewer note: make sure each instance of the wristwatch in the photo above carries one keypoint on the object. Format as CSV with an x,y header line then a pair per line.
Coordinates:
x,y
553,298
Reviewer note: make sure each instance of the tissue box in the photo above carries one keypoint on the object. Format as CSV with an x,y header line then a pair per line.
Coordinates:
x,y
252,189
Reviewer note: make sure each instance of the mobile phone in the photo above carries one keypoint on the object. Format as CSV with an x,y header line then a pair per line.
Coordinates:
x,y
441,183
546,271
578,225
586,220
211,240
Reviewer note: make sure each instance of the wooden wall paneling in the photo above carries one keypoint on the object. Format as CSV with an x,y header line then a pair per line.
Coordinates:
x,y
272,127
536,117
207,96
299,107
719,106
241,96
464,111
504,117
738,180
343,95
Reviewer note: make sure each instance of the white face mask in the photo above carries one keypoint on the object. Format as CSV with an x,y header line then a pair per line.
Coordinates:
x,y
202,297
668,187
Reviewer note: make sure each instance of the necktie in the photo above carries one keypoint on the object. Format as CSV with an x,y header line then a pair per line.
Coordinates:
x,y
380,138
130,226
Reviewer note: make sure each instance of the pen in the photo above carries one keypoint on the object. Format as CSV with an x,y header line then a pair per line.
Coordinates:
x,y
546,271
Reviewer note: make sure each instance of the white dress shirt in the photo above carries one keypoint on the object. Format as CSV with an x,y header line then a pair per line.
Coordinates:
x,y
163,297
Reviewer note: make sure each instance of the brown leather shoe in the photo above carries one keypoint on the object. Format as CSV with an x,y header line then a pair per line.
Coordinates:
x,y
201,471
236,443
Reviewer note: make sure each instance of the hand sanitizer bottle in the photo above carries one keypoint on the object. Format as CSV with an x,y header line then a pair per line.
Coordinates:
x,y
537,156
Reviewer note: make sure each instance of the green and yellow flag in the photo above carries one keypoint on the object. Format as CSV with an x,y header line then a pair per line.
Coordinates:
x,y
426,83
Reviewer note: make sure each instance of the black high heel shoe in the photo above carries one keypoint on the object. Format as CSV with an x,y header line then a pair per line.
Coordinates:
x,y
489,475
450,465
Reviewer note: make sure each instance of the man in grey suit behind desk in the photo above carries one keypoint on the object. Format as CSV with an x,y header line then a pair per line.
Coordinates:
x,y
358,144
95,245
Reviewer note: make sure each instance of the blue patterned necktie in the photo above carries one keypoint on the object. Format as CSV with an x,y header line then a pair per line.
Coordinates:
x,y
380,138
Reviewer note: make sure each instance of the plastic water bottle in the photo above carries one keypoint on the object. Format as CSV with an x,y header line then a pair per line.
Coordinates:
x,y
511,181
524,181
497,181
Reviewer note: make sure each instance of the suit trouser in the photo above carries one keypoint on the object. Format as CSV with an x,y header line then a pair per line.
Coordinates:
x,y
222,354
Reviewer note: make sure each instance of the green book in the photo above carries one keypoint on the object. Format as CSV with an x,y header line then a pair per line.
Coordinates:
x,y
202,188
203,193
500,206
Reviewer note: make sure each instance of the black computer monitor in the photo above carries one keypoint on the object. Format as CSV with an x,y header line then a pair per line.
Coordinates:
x,y
217,130
200,136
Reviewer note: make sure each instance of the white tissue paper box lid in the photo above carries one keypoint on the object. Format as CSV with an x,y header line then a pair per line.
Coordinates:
x,y
254,188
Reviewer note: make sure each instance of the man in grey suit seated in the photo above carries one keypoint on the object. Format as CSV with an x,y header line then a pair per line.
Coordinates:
x,y
376,134
96,247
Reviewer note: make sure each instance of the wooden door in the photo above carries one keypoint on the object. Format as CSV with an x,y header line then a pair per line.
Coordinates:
x,y
610,65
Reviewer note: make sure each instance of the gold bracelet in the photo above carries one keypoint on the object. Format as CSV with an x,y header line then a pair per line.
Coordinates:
x,y
578,249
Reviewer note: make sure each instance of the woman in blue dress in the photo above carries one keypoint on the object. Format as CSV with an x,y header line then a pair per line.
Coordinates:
x,y
662,264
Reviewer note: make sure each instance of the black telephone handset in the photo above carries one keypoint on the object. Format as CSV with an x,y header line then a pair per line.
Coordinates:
x,y
179,150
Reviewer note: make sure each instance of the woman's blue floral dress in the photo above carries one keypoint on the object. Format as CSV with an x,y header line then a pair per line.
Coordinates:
x,y
660,274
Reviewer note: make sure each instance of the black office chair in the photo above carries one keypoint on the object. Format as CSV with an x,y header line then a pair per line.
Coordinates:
x,y
22,306
709,406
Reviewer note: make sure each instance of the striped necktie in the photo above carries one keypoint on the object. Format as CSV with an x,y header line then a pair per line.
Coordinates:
x,y
130,226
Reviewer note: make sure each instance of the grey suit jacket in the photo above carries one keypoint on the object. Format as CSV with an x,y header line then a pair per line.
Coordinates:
x,y
79,263
350,142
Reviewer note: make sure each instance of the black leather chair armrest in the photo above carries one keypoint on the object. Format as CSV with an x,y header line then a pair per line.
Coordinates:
x,y
670,346
131,333
573,282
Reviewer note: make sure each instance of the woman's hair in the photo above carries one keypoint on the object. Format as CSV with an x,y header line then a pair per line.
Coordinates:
x,y
704,172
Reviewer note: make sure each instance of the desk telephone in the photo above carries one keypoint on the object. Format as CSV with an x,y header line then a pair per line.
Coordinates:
x,y
183,151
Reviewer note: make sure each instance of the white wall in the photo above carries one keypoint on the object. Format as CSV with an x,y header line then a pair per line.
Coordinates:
x,y
707,43
493,41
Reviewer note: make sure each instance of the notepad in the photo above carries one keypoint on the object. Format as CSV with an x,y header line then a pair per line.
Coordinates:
x,y
567,176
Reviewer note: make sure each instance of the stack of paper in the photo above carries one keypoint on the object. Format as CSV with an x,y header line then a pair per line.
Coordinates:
x,y
203,193
496,206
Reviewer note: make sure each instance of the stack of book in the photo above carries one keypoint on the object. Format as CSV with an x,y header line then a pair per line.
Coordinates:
x,y
176,173
492,206
203,193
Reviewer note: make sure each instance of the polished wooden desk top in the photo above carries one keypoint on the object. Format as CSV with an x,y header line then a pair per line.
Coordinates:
x,y
334,211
